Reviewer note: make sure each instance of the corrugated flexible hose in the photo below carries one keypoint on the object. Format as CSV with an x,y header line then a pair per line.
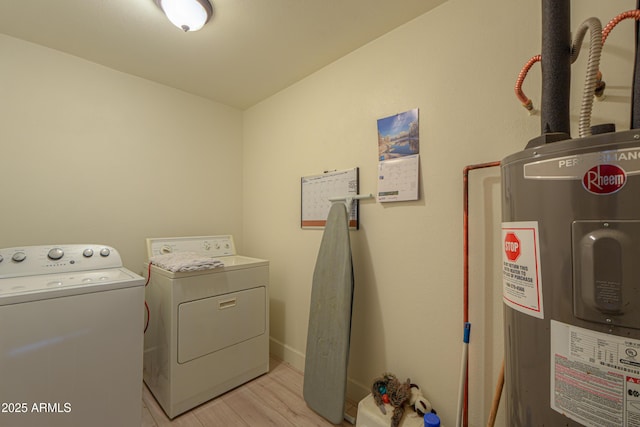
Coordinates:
x,y
594,26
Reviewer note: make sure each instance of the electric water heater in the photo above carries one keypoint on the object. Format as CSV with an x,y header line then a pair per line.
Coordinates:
x,y
571,282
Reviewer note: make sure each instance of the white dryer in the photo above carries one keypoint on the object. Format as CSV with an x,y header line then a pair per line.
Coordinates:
x,y
208,329
71,337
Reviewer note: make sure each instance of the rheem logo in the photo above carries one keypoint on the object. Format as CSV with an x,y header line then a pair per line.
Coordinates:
x,y
604,179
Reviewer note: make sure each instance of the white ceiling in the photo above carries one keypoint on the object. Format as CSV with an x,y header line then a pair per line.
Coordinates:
x,y
250,50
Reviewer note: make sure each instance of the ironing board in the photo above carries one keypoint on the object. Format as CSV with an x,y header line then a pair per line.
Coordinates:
x,y
327,356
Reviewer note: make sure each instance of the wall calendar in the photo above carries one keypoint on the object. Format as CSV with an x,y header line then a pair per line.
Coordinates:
x,y
316,190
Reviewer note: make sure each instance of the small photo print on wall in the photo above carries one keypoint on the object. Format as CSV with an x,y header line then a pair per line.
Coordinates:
x,y
398,135
398,153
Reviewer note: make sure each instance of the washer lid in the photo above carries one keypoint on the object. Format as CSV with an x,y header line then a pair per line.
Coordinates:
x,y
16,290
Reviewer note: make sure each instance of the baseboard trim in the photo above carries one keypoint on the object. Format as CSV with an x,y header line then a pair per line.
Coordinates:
x,y
281,351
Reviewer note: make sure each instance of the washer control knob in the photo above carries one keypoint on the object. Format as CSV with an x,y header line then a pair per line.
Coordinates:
x,y
105,252
87,253
166,249
19,256
55,254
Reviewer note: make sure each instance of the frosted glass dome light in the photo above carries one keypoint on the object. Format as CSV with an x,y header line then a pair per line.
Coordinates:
x,y
188,15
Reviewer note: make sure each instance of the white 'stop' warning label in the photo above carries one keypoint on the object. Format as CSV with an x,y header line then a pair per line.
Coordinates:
x,y
521,275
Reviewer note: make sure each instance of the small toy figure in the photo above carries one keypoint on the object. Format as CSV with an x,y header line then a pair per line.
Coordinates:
x,y
419,403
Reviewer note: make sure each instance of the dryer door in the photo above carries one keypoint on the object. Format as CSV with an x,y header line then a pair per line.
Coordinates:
x,y
212,324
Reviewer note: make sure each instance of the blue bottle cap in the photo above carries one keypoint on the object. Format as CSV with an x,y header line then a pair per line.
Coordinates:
x,y
431,420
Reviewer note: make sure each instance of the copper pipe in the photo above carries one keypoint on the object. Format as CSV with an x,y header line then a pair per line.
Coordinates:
x,y
465,290
635,14
526,102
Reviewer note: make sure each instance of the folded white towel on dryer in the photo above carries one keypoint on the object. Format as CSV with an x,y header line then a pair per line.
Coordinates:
x,y
185,261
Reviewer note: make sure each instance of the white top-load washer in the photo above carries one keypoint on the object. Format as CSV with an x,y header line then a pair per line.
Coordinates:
x,y
208,328
71,337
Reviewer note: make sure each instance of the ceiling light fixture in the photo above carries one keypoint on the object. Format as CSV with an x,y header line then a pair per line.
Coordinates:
x,y
188,15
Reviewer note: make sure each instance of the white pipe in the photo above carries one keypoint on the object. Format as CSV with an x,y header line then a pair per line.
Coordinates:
x,y
463,373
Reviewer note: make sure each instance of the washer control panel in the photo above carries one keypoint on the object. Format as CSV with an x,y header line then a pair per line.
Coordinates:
x,y
35,260
213,246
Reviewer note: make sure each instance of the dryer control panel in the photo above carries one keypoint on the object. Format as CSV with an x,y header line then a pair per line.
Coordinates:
x,y
214,246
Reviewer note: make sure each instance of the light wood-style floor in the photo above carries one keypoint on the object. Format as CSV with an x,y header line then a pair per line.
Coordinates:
x,y
273,399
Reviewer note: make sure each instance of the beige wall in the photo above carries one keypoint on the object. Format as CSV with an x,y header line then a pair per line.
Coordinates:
x,y
458,65
92,155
